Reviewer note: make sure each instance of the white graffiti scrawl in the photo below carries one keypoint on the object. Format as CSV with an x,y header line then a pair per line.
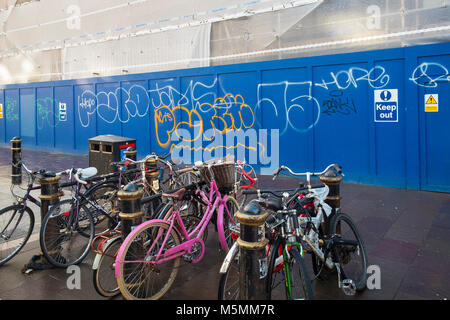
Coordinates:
x,y
429,75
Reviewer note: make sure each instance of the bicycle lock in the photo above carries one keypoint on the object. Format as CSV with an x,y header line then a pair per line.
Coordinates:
x,y
253,260
16,167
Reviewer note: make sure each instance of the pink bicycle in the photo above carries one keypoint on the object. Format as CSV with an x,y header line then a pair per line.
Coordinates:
x,y
149,258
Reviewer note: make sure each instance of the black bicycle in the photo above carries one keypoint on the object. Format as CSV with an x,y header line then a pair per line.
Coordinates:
x,y
17,220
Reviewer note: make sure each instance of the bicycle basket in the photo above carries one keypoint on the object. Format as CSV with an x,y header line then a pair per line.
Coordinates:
x,y
223,170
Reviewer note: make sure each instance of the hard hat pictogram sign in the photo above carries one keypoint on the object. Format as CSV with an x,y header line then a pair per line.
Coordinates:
x,y
431,102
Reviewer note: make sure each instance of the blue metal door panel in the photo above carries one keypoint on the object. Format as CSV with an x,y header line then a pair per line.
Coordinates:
x,y
85,116
27,117
284,103
12,113
197,118
234,109
109,98
164,95
45,117
135,116
342,134
390,140
2,118
433,78
64,123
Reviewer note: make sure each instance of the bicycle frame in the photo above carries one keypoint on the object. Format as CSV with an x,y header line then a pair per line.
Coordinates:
x,y
189,239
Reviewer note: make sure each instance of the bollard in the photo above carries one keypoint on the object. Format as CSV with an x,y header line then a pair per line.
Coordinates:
x,y
131,153
152,174
333,181
49,196
16,167
130,215
152,180
253,260
130,208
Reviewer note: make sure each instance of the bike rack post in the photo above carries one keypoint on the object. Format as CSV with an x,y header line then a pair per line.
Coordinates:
x,y
152,179
253,260
130,207
131,153
130,214
50,194
16,167
333,181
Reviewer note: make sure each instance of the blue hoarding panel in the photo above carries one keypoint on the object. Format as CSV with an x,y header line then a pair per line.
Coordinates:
x,y
12,113
367,111
64,118
135,116
433,78
85,116
2,117
45,117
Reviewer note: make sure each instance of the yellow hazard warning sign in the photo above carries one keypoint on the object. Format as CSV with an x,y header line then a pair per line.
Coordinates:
x,y
1,111
431,102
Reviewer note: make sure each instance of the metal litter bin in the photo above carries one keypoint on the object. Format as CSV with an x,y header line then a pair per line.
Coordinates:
x,y
108,148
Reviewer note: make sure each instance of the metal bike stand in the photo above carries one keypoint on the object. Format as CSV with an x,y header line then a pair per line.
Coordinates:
x,y
49,196
16,167
131,153
152,179
333,181
253,260
130,208
130,214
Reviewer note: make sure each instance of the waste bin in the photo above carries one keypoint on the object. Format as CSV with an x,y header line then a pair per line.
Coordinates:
x,y
108,148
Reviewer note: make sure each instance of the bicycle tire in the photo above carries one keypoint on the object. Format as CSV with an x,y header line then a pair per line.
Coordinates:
x,y
103,274
142,239
224,225
103,194
300,288
229,285
343,255
25,235
56,231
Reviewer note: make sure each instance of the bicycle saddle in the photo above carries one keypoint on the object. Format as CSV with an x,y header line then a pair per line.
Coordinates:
x,y
273,203
178,194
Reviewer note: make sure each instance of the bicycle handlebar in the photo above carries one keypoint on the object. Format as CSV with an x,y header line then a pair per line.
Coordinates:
x,y
308,174
77,178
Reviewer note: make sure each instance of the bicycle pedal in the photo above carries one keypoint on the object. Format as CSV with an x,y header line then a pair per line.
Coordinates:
x,y
349,287
187,258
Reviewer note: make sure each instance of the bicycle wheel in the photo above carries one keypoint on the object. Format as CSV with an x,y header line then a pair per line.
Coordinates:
x,y
352,256
138,275
16,226
229,285
66,234
287,276
103,195
230,223
103,277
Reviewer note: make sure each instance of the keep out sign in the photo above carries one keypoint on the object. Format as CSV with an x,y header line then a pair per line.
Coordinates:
x,y
386,105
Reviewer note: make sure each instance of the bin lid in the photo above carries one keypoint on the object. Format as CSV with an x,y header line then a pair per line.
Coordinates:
x,y
110,138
